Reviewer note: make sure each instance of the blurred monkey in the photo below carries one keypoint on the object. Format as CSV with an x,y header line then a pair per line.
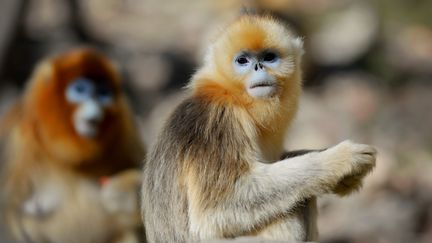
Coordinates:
x,y
216,172
72,127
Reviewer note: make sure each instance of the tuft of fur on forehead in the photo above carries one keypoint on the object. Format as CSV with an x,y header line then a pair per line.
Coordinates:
x,y
255,33
85,62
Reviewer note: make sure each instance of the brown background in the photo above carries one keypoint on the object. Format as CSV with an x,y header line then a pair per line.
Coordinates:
x,y
368,77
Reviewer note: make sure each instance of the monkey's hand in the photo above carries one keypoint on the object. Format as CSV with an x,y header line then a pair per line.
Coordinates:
x,y
354,161
120,193
42,203
351,183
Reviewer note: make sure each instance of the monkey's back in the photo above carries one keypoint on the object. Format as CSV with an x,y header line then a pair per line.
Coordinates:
x,y
164,204
201,137
164,208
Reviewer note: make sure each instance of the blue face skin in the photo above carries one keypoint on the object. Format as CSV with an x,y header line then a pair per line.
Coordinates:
x,y
82,90
91,99
255,67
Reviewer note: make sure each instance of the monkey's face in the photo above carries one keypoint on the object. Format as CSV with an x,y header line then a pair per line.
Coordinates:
x,y
260,55
90,90
255,67
77,103
91,99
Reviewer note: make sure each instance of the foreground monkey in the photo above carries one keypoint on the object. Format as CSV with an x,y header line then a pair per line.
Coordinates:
x,y
71,128
215,170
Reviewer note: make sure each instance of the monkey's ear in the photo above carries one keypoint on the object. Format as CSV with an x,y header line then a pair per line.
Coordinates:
x,y
298,45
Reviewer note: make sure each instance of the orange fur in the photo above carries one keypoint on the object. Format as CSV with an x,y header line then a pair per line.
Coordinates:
x,y
43,149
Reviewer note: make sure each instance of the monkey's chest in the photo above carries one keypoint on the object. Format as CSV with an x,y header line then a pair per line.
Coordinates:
x,y
79,209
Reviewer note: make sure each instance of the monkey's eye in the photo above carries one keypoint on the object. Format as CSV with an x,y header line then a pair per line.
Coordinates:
x,y
270,57
79,90
104,95
242,60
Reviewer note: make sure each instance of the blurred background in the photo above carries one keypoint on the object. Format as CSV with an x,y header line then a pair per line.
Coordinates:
x,y
367,77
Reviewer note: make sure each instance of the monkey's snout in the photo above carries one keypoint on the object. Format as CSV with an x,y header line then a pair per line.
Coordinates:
x,y
91,112
88,118
258,66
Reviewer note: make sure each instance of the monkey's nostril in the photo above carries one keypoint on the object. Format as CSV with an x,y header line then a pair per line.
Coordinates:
x,y
256,67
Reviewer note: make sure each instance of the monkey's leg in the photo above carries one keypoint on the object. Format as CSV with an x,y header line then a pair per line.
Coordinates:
x,y
270,191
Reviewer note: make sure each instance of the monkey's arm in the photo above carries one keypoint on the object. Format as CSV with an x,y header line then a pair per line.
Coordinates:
x,y
272,191
346,185
295,153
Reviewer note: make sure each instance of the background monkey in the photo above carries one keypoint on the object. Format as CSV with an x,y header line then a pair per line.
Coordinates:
x,y
216,172
72,127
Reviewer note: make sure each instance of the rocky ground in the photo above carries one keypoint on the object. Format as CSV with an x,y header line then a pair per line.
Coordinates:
x,y
368,73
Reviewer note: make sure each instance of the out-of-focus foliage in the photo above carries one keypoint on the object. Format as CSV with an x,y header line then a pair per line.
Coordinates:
x,y
368,77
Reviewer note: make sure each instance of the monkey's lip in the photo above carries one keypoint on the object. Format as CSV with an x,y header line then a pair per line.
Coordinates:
x,y
262,84
262,89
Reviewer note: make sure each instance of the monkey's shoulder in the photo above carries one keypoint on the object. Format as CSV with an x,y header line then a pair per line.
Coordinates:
x,y
197,116
203,125
10,118
8,122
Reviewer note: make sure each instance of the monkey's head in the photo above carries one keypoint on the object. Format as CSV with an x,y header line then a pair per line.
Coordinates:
x,y
258,59
76,104
260,53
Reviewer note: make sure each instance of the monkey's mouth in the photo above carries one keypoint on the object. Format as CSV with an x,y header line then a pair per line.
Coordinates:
x,y
87,129
262,85
263,89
